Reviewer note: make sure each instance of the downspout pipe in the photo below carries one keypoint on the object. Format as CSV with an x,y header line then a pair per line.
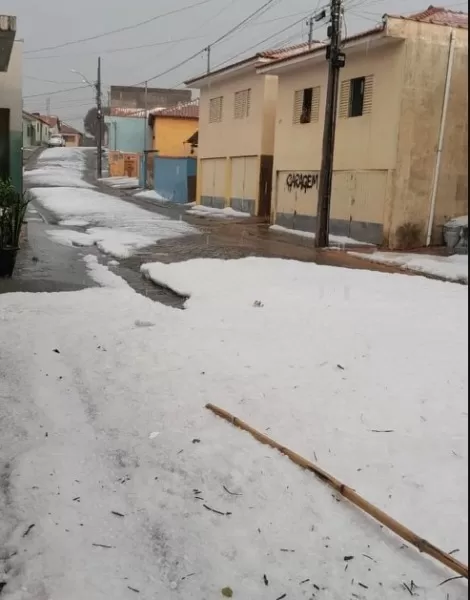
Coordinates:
x,y
440,144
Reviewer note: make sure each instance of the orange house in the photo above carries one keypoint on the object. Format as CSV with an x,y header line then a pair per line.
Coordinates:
x,y
172,127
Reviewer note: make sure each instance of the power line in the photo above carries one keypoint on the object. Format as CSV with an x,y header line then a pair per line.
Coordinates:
x,y
217,41
121,29
112,50
155,44
65,90
270,37
48,80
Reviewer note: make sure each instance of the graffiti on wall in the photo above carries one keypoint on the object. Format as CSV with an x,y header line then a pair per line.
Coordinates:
x,y
301,181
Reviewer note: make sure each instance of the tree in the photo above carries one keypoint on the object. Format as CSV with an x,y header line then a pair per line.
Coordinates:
x,y
90,122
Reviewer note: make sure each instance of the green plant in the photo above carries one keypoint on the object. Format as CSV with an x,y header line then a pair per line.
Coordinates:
x,y
12,212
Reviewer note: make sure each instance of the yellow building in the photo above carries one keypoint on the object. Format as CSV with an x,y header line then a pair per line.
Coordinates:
x,y
403,91
172,127
236,135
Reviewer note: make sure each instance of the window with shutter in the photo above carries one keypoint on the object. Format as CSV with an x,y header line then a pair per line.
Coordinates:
x,y
306,105
344,99
216,106
356,97
242,104
368,93
316,104
298,101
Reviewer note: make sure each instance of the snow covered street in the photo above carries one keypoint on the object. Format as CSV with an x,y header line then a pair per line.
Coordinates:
x,y
111,467
116,482
117,228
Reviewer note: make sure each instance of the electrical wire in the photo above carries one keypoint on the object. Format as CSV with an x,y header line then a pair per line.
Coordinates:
x,y
159,43
113,50
121,29
233,29
64,91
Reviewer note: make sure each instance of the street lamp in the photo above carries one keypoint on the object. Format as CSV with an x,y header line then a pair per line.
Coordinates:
x,y
99,115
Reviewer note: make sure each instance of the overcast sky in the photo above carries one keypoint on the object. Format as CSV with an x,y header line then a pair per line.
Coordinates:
x,y
53,22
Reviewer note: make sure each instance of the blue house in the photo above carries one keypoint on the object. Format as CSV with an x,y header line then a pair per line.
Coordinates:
x,y
128,130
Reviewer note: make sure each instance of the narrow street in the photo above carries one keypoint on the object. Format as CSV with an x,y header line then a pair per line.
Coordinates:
x,y
45,266
117,482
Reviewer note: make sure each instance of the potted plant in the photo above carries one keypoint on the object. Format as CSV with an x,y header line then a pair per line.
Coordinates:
x,y
12,212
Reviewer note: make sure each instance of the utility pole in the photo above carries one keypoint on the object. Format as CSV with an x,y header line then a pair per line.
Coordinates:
x,y
336,60
310,23
144,157
99,116
48,107
208,50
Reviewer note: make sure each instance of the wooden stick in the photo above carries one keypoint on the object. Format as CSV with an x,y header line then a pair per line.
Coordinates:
x,y
380,516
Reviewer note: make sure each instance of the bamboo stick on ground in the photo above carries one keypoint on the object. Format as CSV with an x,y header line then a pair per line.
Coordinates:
x,y
380,516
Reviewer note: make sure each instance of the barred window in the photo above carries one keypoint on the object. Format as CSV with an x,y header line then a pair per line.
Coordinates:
x,y
242,104
216,106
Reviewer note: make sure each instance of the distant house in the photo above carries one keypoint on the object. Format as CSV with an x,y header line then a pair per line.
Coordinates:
x,y
127,127
35,130
43,130
404,87
29,130
52,122
127,130
72,136
11,122
171,128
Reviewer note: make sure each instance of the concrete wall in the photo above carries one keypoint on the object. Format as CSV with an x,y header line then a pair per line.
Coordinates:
x,y
384,160
170,135
123,96
231,152
425,60
11,99
72,139
171,177
127,134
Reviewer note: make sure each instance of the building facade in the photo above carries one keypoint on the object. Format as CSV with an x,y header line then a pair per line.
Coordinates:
x,y
72,136
11,117
404,87
36,132
172,127
236,137
126,96
127,133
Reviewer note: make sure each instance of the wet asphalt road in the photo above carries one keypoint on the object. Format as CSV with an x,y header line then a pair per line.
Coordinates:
x,y
46,266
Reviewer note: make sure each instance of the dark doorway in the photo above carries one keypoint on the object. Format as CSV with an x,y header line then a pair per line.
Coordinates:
x,y
265,186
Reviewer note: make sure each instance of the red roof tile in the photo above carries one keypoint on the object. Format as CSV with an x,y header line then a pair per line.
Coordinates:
x,y
439,15
68,129
189,110
48,120
287,51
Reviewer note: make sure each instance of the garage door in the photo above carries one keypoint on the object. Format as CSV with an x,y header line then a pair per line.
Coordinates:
x,y
213,182
244,184
296,199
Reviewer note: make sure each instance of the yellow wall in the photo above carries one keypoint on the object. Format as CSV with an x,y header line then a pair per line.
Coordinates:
x,y
425,62
234,137
229,152
384,161
170,135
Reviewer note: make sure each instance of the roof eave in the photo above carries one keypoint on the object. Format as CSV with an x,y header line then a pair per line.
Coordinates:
x,y
181,117
353,41
228,71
